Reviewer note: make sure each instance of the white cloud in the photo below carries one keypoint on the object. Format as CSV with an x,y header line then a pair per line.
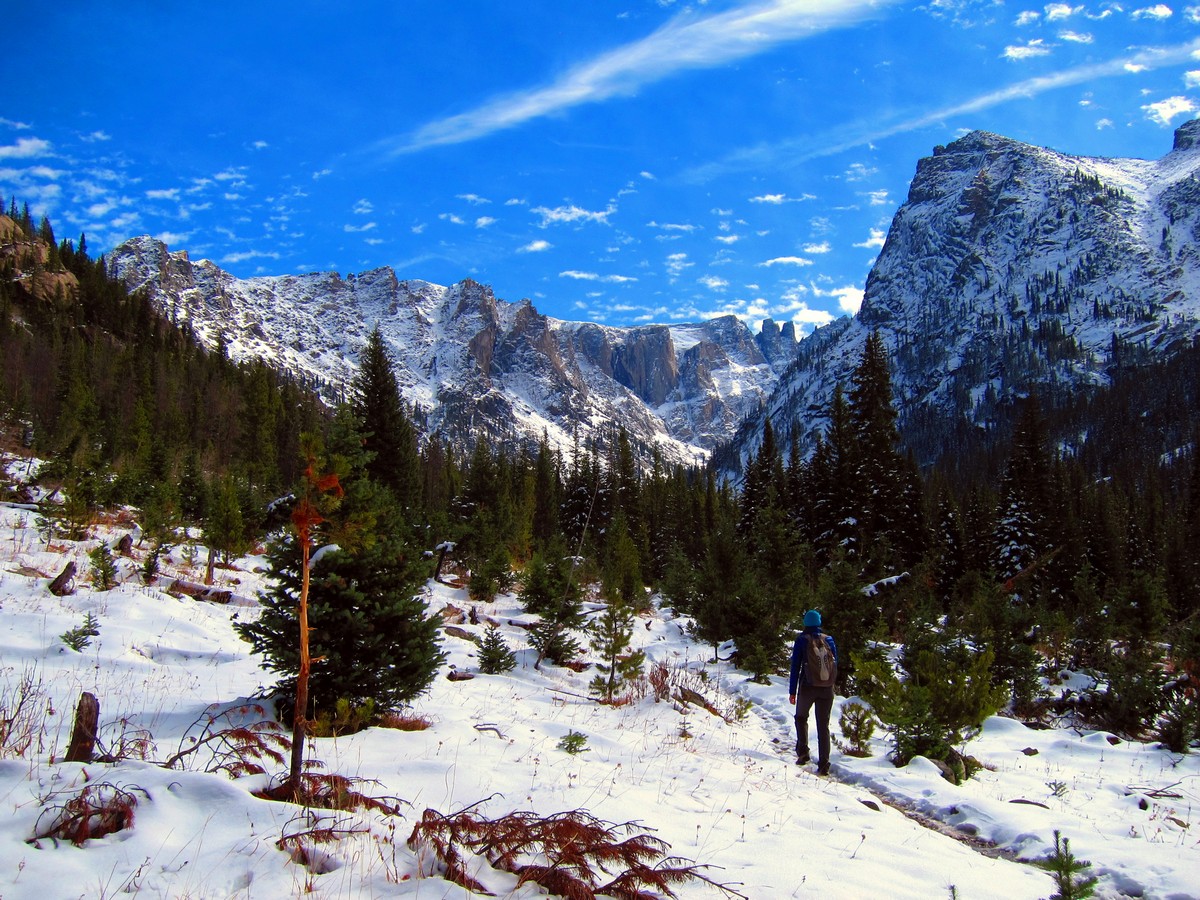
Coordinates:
x,y
1076,37
234,197
1159,11
172,237
713,283
593,276
860,171
649,176
260,145
363,207
670,226
452,218
358,229
878,236
728,238
565,214
235,174
1134,68
878,198
538,246
95,137
514,201
1034,48
1192,79
787,261
318,175
677,262
485,221
822,247
777,199
246,255
1028,17
1191,13
374,242
164,194
849,297
25,148
1056,12
687,41
473,199
17,126
418,229
1164,111
1101,124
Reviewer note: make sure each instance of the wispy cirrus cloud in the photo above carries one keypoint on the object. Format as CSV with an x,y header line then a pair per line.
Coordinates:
x,y
815,146
689,41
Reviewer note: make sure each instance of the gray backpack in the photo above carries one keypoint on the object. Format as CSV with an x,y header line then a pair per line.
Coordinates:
x,y
820,664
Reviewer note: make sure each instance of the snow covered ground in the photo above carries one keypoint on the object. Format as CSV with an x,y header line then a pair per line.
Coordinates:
x,y
721,790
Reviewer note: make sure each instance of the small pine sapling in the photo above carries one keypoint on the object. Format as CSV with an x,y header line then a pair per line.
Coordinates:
x,y
858,725
495,656
104,570
611,634
573,742
79,637
1067,871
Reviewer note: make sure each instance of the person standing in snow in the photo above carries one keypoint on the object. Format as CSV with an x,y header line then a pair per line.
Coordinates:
x,y
814,671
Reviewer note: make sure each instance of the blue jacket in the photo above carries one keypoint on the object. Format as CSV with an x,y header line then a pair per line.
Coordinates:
x,y
800,656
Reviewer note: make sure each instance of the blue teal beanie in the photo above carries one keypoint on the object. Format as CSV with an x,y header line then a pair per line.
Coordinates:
x,y
812,618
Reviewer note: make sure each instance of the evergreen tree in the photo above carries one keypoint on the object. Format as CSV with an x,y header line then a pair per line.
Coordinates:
x,y
368,622
495,656
386,428
610,637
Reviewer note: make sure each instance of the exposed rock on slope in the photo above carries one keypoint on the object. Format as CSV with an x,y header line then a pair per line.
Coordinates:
x,y
480,368
1011,267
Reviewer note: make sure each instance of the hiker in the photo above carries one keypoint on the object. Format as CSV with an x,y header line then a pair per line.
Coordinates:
x,y
814,670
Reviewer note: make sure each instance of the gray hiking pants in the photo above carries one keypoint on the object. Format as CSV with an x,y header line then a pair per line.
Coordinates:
x,y
819,699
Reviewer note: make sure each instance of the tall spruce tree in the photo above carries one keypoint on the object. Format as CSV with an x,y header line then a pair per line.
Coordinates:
x,y
368,623
386,428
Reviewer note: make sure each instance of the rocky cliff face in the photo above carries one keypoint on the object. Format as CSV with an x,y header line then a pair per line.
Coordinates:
x,y
479,367
1009,268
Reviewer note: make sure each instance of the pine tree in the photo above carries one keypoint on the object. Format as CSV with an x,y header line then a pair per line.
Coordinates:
x,y
224,529
495,656
368,622
1068,871
388,433
610,637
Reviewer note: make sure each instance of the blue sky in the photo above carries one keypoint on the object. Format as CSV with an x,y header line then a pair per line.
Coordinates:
x,y
619,161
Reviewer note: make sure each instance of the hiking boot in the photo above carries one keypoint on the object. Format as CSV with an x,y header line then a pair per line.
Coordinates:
x,y
802,758
823,771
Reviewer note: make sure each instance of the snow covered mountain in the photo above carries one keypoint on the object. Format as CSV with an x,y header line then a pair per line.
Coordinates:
x,y
479,367
1009,268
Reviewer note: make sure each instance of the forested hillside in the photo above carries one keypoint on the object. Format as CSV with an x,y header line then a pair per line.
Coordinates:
x,y
1026,557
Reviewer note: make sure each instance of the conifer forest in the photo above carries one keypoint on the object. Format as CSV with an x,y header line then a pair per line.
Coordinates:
x,y
1064,538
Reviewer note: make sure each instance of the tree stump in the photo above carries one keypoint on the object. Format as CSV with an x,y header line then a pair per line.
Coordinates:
x,y
83,735
65,582
125,545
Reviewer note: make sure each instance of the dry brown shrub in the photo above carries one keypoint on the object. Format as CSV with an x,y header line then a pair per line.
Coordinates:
x,y
403,722
570,854
98,810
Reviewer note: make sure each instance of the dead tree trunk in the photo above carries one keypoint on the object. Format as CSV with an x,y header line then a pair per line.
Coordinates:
x,y
65,582
83,735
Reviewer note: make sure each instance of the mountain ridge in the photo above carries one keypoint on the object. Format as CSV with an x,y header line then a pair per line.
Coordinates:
x,y
477,366
1010,268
